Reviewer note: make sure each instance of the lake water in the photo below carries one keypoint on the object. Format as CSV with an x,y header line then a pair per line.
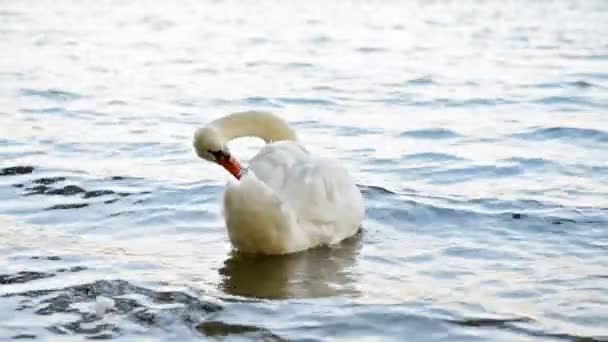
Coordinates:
x,y
477,131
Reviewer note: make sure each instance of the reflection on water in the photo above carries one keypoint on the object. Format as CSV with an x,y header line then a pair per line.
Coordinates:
x,y
320,272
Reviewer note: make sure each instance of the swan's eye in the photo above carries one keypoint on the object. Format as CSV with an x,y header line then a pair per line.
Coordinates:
x,y
220,155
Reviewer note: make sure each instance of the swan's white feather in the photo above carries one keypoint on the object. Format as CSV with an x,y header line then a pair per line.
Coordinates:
x,y
290,201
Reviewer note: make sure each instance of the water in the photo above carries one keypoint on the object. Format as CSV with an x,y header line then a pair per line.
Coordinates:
x,y
477,132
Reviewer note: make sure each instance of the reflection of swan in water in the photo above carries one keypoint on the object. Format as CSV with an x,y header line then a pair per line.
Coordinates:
x,y
318,272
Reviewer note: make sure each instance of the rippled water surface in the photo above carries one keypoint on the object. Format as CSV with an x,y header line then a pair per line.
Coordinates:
x,y
477,131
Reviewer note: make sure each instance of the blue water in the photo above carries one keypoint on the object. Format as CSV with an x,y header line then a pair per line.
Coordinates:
x,y
477,131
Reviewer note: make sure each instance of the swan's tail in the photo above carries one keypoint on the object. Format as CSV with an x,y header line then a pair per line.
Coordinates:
x,y
257,220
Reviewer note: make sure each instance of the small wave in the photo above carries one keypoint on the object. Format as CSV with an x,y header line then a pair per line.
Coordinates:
x,y
370,49
463,103
305,101
569,100
260,101
321,39
51,94
432,157
353,131
564,133
522,325
471,173
481,253
593,75
426,80
67,206
299,65
598,57
45,110
574,84
430,133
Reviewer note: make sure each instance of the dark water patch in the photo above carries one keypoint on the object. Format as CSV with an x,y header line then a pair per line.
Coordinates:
x,y
51,258
98,193
374,189
16,170
23,277
217,329
489,322
68,190
67,206
51,94
153,310
24,337
48,180
118,178
571,221
430,133
45,186
558,221
564,134
72,269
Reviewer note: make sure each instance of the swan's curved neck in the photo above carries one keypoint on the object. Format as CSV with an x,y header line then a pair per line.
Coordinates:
x,y
262,125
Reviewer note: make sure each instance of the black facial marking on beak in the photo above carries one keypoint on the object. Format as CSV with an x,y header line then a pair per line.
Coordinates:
x,y
220,155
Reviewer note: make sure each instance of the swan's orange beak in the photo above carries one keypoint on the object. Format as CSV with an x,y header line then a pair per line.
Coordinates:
x,y
231,165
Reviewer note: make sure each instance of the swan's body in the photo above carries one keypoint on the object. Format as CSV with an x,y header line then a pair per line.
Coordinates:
x,y
290,200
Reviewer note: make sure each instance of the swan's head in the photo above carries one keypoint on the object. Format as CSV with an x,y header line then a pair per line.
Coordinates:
x,y
210,145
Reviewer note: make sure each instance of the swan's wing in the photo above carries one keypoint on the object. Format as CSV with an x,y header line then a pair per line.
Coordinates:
x,y
272,163
319,190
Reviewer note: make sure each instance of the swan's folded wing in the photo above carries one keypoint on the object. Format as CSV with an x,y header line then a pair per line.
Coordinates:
x,y
321,191
272,164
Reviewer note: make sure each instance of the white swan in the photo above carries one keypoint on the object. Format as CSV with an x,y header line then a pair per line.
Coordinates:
x,y
289,200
